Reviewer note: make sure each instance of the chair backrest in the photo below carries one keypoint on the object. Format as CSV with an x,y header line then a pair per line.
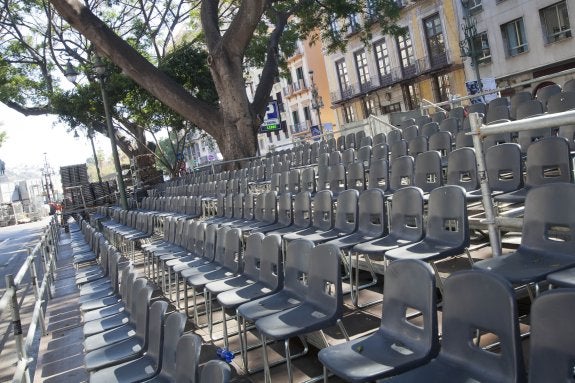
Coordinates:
x,y
462,169
340,143
410,132
428,172
293,182
401,172
379,152
551,351
210,243
442,142
155,332
429,129
350,141
275,182
548,161
142,294
561,102
394,136
324,281
544,93
378,176
336,178
478,107
187,358
364,155
271,263
549,222
417,145
397,149
406,214
270,213
568,133
348,157
359,136
322,215
504,167
260,206
331,143
285,209
447,217
323,159
371,213
569,85
239,206
516,100
307,180
302,209
296,267
215,371
252,255
347,210
173,331
249,207
334,158
497,112
355,178
410,284
480,300
438,116
457,112
365,141
220,244
450,125
463,140
528,109
233,250
379,138
422,120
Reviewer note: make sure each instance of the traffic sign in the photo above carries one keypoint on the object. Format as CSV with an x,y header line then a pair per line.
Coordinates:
x,y
272,121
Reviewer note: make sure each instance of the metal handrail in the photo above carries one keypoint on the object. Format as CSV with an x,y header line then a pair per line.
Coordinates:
x,y
46,251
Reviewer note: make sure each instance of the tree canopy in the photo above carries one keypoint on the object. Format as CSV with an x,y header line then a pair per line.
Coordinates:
x,y
167,48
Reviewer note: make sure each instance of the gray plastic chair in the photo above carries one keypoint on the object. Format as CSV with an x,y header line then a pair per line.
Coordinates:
x,y
379,138
185,367
215,371
428,173
547,162
378,176
159,354
443,143
334,158
350,141
474,302
322,306
429,129
336,179
322,217
447,228
551,351
364,155
569,85
529,108
545,92
497,112
307,180
547,239
438,116
293,182
462,171
568,133
365,141
397,345
284,214
410,132
479,107
457,112
561,102
401,173
126,289
516,100
136,327
451,125
393,136
355,178
379,152
417,145
422,120
130,348
504,167
397,149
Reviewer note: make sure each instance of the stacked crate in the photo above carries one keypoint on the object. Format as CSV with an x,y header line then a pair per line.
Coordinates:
x,y
76,185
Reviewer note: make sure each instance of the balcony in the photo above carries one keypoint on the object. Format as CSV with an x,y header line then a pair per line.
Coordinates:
x,y
300,127
295,88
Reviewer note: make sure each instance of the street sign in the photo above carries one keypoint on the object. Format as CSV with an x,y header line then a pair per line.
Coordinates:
x,y
272,121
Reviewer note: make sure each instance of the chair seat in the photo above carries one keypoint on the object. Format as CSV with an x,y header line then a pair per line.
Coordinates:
x,y
302,233
517,196
97,326
370,358
440,370
563,278
525,266
426,250
351,240
265,306
132,371
112,336
234,298
200,280
114,354
104,312
99,303
227,284
380,245
325,236
299,320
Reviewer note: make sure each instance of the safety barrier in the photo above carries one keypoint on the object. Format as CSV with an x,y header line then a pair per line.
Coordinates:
x,y
45,251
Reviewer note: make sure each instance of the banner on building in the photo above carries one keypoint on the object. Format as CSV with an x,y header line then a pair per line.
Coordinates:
x,y
487,85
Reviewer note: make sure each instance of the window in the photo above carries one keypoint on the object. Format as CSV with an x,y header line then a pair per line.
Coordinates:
x,y
474,6
342,76
382,58
333,24
410,96
306,113
369,107
481,45
555,22
362,69
514,37
353,22
441,88
395,107
435,41
405,50
370,10
348,114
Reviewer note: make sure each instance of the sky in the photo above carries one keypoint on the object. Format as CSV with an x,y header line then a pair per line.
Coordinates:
x,y
28,138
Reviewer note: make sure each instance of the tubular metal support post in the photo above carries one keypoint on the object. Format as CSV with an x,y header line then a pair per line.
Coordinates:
x,y
494,237
17,323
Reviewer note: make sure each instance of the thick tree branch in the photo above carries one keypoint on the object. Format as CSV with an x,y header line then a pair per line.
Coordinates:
x,y
241,29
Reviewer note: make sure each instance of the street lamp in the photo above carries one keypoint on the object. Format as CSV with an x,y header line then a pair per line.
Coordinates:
x,y
72,74
468,44
100,70
316,102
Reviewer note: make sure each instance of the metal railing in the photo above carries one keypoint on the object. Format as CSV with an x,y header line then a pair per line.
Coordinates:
x,y
478,130
45,251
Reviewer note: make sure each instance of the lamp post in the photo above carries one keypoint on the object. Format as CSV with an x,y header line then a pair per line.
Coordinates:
x,y
72,74
100,70
468,44
316,102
